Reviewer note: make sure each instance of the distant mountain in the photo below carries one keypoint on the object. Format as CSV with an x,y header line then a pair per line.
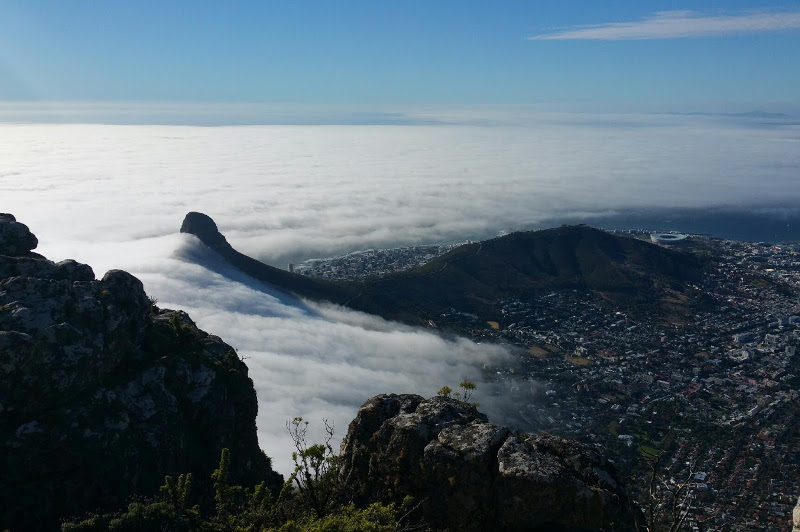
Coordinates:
x,y
473,278
204,228
758,114
748,114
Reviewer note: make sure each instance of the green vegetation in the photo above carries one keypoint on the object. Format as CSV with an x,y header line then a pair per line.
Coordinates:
x,y
315,468
648,452
310,500
230,362
374,518
467,390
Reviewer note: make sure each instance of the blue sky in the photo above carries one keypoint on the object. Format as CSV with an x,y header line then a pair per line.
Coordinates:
x,y
721,56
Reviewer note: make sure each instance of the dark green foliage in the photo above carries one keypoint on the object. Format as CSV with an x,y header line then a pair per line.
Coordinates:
x,y
226,497
185,341
444,391
315,471
230,362
311,507
467,390
179,494
139,517
375,518
471,278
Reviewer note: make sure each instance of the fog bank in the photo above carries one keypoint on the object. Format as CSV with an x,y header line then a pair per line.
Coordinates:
x,y
114,196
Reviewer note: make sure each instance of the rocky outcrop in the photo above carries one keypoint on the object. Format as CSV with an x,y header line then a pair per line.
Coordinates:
x,y
15,238
473,475
203,227
102,393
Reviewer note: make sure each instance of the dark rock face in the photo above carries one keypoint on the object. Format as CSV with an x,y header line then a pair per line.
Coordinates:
x,y
204,228
102,393
15,238
473,475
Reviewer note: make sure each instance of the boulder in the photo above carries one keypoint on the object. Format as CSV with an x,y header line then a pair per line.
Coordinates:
x,y
472,475
15,238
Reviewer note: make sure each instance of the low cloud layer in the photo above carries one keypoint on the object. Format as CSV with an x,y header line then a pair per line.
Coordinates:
x,y
679,25
312,360
115,196
286,193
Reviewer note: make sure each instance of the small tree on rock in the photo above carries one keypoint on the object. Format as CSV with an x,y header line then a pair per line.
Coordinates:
x,y
315,467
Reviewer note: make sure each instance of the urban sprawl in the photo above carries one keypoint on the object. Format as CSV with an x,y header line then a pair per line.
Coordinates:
x,y
711,399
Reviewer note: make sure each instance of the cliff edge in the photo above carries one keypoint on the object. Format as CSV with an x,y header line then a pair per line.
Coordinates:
x,y
473,475
102,393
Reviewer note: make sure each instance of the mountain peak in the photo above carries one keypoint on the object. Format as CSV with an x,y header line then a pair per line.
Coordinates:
x,y
203,227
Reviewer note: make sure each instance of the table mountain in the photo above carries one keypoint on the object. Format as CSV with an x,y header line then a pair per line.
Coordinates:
x,y
102,393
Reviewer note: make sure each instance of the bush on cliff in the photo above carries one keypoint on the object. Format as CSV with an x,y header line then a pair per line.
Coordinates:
x,y
240,509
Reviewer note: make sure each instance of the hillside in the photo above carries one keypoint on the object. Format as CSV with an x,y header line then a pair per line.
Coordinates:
x,y
473,278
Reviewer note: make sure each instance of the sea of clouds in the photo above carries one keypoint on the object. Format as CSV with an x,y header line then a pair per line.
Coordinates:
x,y
114,196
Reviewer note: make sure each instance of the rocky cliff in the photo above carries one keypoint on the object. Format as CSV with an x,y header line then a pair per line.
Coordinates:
x,y
472,475
102,393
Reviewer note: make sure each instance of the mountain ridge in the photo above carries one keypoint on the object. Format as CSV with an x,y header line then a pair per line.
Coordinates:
x,y
474,277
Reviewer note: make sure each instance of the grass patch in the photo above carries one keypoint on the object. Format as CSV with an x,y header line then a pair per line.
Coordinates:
x,y
553,350
579,361
538,352
494,325
648,452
